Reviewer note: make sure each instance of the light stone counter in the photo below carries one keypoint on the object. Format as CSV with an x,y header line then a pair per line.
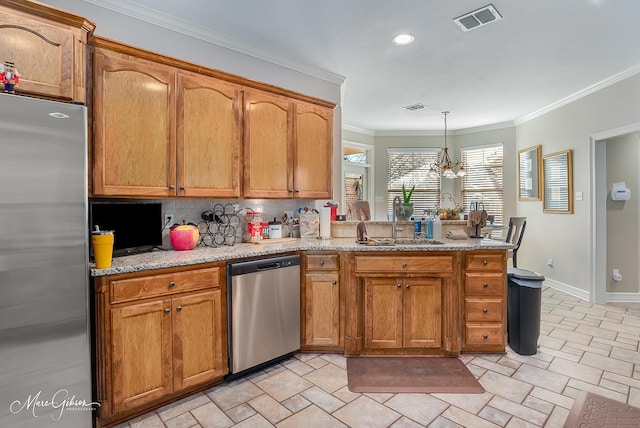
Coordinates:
x,y
159,259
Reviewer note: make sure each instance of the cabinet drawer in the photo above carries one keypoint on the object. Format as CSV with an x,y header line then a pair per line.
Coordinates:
x,y
396,265
485,261
483,310
322,262
157,285
484,284
484,334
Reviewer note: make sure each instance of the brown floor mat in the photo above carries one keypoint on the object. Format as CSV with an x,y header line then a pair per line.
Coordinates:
x,y
594,411
411,374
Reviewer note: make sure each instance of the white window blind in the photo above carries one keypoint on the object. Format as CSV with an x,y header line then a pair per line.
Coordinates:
x,y
484,182
410,167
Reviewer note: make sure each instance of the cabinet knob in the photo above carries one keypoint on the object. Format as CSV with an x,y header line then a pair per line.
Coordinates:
x,y
408,285
182,188
290,190
485,285
172,187
334,282
172,284
404,264
485,262
321,262
399,285
296,191
485,310
167,311
485,336
179,309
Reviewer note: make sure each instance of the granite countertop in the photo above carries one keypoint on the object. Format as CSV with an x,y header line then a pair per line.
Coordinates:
x,y
159,259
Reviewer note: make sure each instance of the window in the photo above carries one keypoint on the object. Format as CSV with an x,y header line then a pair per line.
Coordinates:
x,y
483,182
410,167
356,168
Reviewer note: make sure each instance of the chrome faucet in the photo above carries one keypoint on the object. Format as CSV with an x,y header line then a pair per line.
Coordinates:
x,y
394,226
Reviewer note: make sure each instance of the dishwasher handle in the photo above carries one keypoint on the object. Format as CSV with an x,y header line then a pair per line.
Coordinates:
x,y
268,266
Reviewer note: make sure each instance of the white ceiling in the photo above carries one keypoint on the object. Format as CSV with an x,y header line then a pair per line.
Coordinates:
x,y
540,53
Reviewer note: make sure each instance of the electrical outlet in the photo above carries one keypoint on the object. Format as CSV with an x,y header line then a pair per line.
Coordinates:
x,y
168,221
550,262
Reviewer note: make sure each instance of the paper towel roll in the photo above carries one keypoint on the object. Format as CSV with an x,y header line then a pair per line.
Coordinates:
x,y
325,222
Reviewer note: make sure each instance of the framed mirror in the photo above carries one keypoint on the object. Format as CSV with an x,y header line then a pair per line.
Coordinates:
x,y
529,183
558,182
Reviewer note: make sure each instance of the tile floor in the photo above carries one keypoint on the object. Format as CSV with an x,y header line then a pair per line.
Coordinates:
x,y
582,347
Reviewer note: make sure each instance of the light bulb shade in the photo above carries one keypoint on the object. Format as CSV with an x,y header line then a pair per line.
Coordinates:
x,y
432,173
461,172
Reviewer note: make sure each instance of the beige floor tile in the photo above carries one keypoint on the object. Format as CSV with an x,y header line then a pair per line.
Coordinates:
x,y
523,412
345,395
329,377
311,417
210,416
255,421
494,415
297,366
557,417
466,419
336,359
626,355
150,420
505,386
284,385
490,365
578,371
234,394
516,422
583,386
185,420
608,364
442,422
317,362
241,412
470,402
631,330
181,406
552,397
551,342
614,386
365,412
597,332
634,383
538,404
548,380
322,399
634,397
405,422
571,336
422,408
272,411
380,397
296,403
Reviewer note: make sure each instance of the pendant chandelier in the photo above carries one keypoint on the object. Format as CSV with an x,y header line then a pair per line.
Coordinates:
x,y
444,164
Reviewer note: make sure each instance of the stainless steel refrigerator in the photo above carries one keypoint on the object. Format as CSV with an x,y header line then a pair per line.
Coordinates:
x,y
45,364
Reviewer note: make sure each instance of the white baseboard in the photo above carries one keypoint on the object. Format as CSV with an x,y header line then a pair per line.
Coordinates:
x,y
612,297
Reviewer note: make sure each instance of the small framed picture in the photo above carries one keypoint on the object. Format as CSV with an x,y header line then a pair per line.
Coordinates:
x,y
558,183
529,164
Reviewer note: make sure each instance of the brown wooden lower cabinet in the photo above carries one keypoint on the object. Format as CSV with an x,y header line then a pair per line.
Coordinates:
x,y
402,312
167,342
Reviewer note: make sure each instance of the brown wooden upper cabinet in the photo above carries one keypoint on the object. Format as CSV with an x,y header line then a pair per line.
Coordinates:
x,y
48,47
288,147
160,131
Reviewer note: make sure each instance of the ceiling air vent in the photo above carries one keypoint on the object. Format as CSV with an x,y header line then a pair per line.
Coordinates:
x,y
414,107
478,18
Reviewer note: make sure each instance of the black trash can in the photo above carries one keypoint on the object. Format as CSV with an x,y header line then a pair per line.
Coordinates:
x,y
523,310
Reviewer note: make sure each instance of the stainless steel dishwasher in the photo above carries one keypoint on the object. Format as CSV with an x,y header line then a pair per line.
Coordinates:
x,y
263,311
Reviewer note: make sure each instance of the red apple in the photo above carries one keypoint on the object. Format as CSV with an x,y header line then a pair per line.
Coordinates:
x,y
184,236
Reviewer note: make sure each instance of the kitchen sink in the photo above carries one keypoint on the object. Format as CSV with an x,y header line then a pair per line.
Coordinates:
x,y
408,241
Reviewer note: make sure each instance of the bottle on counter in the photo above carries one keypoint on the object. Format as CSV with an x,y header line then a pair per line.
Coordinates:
x,y
437,228
429,228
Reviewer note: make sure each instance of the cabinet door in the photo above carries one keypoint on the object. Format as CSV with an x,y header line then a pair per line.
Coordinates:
x,y
267,151
141,353
134,134
383,312
322,309
422,312
313,149
50,58
208,139
197,339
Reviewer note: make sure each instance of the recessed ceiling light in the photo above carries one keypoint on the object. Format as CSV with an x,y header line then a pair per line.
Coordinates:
x,y
403,39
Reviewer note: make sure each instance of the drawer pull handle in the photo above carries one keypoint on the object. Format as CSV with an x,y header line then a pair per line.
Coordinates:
x,y
485,285
399,285
179,309
485,310
172,284
334,282
485,262
167,311
408,285
485,336
404,264
172,187
321,262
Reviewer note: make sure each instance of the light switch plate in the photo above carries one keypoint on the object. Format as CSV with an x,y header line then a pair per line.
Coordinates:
x,y
579,196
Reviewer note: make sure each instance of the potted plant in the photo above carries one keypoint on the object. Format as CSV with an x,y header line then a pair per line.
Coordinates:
x,y
405,210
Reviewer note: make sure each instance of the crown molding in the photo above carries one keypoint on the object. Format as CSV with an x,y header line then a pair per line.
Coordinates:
x,y
363,131
172,23
580,94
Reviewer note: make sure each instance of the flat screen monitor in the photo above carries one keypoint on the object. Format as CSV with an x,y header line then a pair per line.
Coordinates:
x,y
137,226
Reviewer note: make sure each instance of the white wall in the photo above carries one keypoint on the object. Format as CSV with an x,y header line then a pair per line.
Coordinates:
x,y
567,238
